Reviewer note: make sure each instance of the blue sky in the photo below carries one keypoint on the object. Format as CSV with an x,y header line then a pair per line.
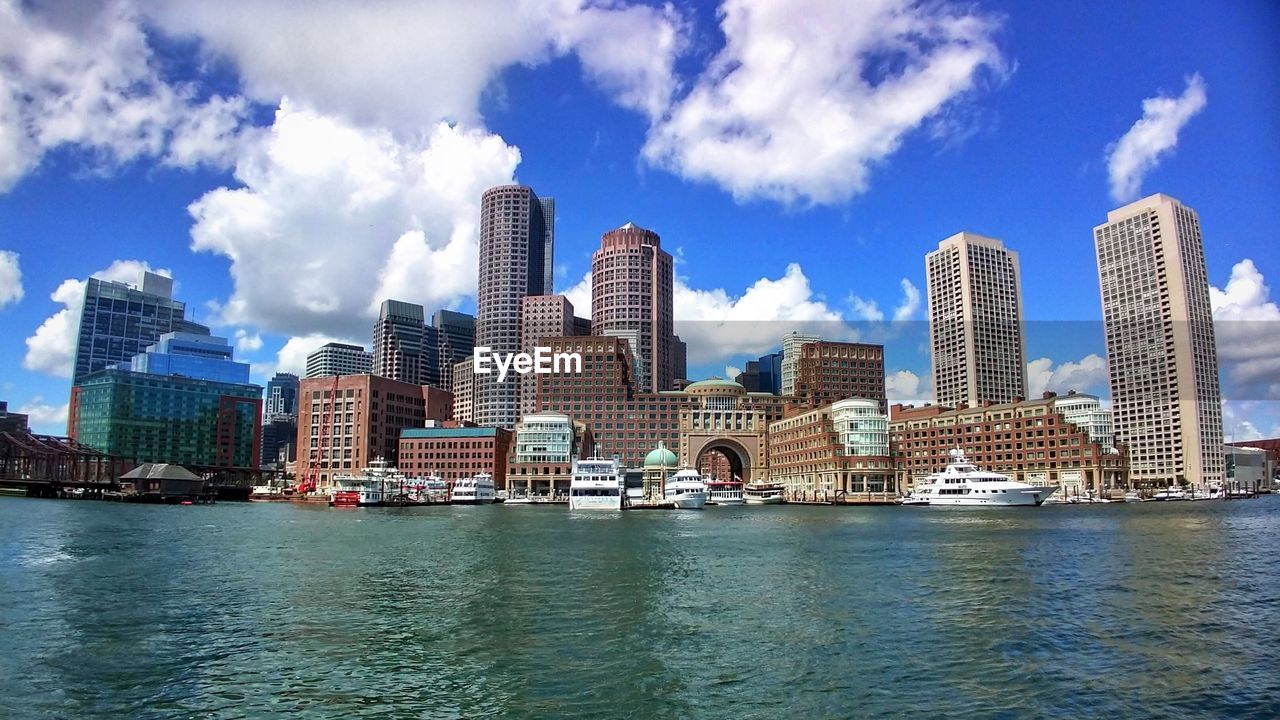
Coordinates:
x,y
291,169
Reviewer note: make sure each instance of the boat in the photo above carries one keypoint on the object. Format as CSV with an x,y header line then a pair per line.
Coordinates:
x,y
268,493
1132,496
961,483
724,492
687,490
762,493
380,485
475,490
596,484
919,496
1170,493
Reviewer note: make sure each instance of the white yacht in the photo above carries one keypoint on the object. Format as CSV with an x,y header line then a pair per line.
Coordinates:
x,y
724,492
377,485
475,490
962,483
1170,493
596,484
919,496
687,490
762,493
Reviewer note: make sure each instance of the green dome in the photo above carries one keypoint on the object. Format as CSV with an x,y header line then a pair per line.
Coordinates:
x,y
660,457
716,382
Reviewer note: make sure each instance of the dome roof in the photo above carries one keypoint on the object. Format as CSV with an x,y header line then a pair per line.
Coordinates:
x,y
661,457
716,385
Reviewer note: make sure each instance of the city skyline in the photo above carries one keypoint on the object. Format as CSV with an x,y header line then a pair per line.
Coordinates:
x,y
858,252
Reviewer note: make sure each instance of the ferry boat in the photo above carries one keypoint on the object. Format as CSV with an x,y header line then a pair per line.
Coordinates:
x,y
762,493
475,490
962,483
378,485
686,490
596,484
724,492
431,489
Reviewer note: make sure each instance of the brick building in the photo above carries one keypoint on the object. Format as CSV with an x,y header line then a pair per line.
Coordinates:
x,y
829,371
832,451
454,453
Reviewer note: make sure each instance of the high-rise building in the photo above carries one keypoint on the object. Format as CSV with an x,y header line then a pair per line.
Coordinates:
x,y
1166,401
792,342
542,316
455,339
402,349
118,321
516,233
282,396
763,374
464,391
832,451
830,371
338,359
632,282
197,356
975,322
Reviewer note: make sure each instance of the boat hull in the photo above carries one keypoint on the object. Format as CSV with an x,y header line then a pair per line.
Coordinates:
x,y
688,501
775,500
1024,498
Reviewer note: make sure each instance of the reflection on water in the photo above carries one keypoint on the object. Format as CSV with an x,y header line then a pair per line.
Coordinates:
x,y
249,610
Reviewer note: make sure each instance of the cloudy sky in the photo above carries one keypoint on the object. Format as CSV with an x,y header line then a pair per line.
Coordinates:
x,y
291,164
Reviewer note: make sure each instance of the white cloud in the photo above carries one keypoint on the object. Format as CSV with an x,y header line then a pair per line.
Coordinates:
x,y
93,84
292,356
869,310
863,309
806,97
580,296
10,278
1247,331
247,342
907,388
45,418
732,371
1139,150
326,205
52,348
1088,375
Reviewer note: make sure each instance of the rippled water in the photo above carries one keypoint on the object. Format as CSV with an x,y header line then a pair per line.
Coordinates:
x,y
238,610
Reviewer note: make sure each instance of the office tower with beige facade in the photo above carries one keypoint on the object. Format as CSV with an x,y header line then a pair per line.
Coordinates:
x,y
792,342
463,387
516,235
1166,401
975,322
338,359
632,281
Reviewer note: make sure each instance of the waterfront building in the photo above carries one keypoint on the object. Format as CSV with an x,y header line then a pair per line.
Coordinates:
x,y
546,444
464,391
632,285
1030,440
722,418
1161,354
1086,412
118,321
1248,467
975,322
659,465
453,452
455,335
517,231
338,359
191,421
827,371
404,347
792,342
346,421
763,374
832,451
542,316
206,357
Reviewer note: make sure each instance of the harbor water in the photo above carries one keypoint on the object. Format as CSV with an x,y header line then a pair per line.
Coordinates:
x,y
1152,610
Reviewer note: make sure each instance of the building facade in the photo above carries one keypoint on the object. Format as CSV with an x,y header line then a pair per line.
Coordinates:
x,y
282,396
542,316
454,453
346,421
1030,441
546,446
763,374
975,322
832,452
516,236
632,285
1161,352
792,342
404,347
338,359
464,392
455,337
118,321
829,371
196,356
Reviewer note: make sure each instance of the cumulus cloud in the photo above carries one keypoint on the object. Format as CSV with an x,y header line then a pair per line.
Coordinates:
x,y
807,97
93,84
44,417
1089,374
869,310
908,388
247,342
10,278
325,205
1247,331
1140,149
292,356
51,349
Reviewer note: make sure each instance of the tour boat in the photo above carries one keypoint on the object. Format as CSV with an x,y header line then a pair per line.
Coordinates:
x,y
962,483
431,489
724,492
475,490
762,493
596,484
686,490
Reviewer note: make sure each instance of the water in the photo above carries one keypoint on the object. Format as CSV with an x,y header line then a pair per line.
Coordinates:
x,y
251,610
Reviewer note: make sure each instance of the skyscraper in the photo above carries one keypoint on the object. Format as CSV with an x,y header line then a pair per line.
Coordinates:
x,y
516,235
282,396
975,322
1167,405
631,293
402,349
544,316
455,339
338,359
792,342
119,321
